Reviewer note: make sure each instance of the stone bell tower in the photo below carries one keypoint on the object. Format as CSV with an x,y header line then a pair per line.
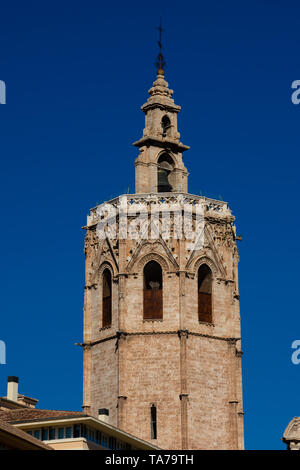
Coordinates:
x,y
160,140
162,342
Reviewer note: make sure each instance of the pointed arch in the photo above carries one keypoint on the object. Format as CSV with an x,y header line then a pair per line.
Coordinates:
x,y
153,291
204,259
205,280
175,162
152,255
104,257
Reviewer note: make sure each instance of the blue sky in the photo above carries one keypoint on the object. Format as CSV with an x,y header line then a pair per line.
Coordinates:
x,y
76,75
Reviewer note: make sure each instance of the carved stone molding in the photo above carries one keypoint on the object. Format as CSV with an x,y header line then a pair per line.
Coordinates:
x,y
210,263
184,396
105,328
172,155
90,286
206,323
152,246
106,265
215,211
152,256
190,275
291,434
183,333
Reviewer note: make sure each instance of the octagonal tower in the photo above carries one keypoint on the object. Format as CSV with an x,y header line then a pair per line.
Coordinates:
x,y
162,342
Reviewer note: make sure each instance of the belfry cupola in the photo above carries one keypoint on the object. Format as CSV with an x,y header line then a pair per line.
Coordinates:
x,y
159,166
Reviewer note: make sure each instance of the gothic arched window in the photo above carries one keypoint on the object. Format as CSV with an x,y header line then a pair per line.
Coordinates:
x,y
153,299
205,294
106,298
165,166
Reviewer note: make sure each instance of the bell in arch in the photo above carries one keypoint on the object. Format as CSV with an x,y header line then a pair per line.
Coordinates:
x,y
163,170
162,181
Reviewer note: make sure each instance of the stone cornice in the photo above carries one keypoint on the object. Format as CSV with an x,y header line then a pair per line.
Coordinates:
x,y
173,108
215,211
160,142
123,334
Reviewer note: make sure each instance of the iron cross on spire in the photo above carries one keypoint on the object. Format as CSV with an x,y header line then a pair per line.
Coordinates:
x,y
160,63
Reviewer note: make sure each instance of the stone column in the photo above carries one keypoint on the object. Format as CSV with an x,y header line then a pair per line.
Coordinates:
x,y
233,401
121,349
183,335
121,338
240,413
86,406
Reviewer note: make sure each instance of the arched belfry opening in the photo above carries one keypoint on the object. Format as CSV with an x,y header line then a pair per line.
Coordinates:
x,y
205,294
165,166
153,291
166,125
106,298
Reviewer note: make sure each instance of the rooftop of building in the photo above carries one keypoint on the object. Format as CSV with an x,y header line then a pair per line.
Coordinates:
x,y
12,437
29,414
30,420
20,421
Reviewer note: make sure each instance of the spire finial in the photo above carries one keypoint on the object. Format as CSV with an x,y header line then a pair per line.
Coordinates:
x,y
160,62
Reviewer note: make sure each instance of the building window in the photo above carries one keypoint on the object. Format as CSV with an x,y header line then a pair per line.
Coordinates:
x,y
104,440
77,431
45,434
153,422
106,298
205,294
52,433
61,433
153,293
37,433
68,433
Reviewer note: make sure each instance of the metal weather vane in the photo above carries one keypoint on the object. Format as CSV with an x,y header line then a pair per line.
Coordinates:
x,y
160,62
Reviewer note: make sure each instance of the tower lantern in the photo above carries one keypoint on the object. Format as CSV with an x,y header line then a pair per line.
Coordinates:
x,y
160,148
